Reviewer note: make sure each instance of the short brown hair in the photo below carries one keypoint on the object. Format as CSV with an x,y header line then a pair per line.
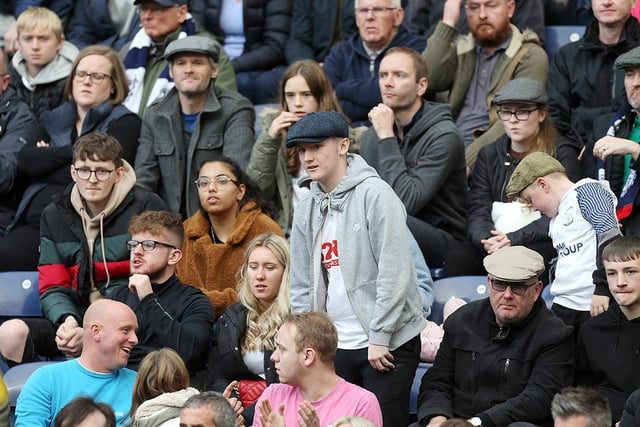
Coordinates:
x,y
98,147
156,223
419,63
118,74
622,249
315,330
79,409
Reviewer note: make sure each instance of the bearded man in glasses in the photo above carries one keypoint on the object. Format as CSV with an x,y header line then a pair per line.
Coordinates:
x,y
82,252
170,313
503,358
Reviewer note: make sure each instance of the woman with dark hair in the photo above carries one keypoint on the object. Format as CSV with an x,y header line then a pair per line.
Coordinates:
x,y
492,222
304,88
85,412
231,214
94,93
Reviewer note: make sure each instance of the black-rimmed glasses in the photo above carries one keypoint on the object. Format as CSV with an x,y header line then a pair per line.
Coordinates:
x,y
147,245
85,173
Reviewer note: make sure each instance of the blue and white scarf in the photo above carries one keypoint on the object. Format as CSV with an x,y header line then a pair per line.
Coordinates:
x,y
135,63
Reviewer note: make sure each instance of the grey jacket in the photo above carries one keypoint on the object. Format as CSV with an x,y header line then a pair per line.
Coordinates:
x,y
168,165
375,259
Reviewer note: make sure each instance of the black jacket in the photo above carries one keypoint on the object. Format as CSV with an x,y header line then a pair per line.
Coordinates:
x,y
608,356
614,166
175,315
266,29
488,182
582,83
225,361
46,97
631,414
501,375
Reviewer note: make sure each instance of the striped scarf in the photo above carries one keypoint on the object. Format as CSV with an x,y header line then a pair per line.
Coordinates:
x,y
632,184
135,63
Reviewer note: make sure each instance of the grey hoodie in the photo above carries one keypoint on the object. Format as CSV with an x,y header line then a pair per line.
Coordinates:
x,y
375,259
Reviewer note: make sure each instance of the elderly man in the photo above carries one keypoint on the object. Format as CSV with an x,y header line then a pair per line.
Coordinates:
x,y
207,409
581,82
193,122
109,336
580,407
474,67
503,358
163,21
613,153
352,66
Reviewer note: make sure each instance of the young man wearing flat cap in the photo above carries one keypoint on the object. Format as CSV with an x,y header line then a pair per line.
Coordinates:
x,y
194,122
502,358
613,152
583,222
350,257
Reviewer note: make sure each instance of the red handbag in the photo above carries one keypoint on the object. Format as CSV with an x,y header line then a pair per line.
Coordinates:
x,y
250,390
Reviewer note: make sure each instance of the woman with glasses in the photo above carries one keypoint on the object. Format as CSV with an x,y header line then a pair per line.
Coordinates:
x,y
492,223
94,93
245,335
231,214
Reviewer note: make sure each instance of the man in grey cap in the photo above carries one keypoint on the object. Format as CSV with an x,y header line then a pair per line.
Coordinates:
x,y
613,153
350,257
504,357
194,122
417,149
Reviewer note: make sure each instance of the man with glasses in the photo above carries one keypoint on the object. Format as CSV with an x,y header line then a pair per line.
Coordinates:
x,y
502,358
474,67
417,149
352,66
83,256
194,122
170,313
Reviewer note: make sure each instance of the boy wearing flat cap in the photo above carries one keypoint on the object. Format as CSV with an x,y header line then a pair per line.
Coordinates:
x,y
582,223
350,257
504,357
613,154
194,122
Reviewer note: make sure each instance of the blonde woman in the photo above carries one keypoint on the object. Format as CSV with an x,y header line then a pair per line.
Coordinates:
x,y
160,390
352,422
245,335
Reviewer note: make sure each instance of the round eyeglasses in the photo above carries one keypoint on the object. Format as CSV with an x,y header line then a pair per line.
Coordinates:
x,y
100,174
220,182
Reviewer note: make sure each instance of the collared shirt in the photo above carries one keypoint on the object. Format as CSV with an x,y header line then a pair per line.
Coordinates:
x,y
474,113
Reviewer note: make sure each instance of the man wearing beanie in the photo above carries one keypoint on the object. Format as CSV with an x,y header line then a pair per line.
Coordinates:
x,y
502,358
583,222
350,257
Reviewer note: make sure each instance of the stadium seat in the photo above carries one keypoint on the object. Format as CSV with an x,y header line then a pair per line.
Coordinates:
x,y
546,296
557,36
415,387
19,294
468,288
15,378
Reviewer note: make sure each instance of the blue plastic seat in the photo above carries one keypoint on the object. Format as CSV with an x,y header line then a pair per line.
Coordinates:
x,y
546,296
415,387
15,378
19,294
468,288
557,36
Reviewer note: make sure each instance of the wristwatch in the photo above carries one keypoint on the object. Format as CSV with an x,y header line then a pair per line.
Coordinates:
x,y
475,421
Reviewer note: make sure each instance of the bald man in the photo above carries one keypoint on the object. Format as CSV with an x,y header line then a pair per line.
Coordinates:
x,y
109,334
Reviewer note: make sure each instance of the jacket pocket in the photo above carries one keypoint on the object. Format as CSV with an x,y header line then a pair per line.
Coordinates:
x,y
163,147
210,142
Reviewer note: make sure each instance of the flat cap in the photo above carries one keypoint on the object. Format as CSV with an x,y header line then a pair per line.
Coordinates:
x,y
514,264
522,90
164,3
318,126
628,59
532,167
194,44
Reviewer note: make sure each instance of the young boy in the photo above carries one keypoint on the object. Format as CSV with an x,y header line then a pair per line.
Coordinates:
x,y
607,353
583,221
43,60
350,257
83,252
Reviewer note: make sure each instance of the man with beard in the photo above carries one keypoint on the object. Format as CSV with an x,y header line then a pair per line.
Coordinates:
x,y
416,148
474,67
195,121
614,156
170,313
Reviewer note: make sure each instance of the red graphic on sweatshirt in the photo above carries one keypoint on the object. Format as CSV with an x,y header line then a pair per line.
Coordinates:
x,y
330,254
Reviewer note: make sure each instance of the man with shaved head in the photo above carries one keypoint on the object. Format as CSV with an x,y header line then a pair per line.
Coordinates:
x,y
108,338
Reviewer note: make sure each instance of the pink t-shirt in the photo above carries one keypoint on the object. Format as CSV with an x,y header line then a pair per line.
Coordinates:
x,y
345,400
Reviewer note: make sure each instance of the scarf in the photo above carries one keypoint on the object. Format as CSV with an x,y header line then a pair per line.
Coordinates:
x,y
632,184
135,63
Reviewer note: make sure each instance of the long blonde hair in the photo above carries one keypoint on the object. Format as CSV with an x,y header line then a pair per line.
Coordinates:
x,y
262,325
